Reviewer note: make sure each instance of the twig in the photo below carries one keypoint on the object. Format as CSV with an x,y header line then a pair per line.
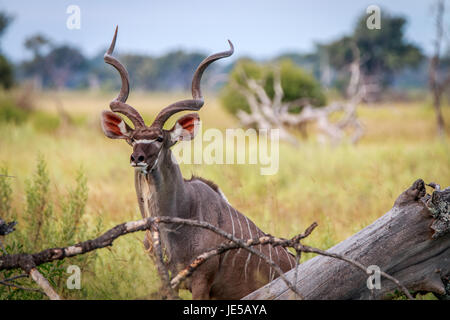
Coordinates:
x,y
356,264
8,284
44,284
23,275
238,243
187,271
7,176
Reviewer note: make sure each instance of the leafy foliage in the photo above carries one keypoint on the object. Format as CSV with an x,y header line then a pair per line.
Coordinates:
x,y
49,220
10,112
6,70
64,66
296,83
61,66
383,51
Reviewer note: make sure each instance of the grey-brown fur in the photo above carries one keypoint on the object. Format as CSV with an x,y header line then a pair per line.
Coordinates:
x,y
229,276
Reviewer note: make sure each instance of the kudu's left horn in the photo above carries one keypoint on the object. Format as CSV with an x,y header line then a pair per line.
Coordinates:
x,y
118,104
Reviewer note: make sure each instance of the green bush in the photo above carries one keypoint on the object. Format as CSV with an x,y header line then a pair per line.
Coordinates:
x,y
10,112
46,122
296,84
6,73
49,220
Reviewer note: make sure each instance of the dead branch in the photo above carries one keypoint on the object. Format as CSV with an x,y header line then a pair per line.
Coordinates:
x,y
10,284
410,244
44,284
434,205
27,261
24,261
6,227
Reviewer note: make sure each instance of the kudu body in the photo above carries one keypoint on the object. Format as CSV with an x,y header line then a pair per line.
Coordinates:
x,y
162,191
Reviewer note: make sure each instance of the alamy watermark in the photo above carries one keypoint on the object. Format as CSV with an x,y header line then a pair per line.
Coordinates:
x,y
74,280
234,146
74,19
374,20
374,280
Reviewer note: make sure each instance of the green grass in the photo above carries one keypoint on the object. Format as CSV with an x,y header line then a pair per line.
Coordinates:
x,y
344,188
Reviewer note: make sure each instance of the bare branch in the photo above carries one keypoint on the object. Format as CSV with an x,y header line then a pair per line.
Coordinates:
x,y
356,264
44,284
8,284
28,262
6,227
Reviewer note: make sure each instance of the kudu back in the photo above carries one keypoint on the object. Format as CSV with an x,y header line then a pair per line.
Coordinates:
x,y
162,191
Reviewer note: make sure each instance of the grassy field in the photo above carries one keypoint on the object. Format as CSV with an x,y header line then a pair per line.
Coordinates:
x,y
344,188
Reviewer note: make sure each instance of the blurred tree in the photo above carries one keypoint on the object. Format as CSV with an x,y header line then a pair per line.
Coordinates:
x,y
439,73
64,63
172,71
384,51
36,66
6,69
36,44
54,66
297,85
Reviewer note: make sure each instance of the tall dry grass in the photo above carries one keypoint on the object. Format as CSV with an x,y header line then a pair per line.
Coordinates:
x,y
344,189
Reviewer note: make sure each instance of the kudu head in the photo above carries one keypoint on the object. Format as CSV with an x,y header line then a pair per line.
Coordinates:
x,y
149,141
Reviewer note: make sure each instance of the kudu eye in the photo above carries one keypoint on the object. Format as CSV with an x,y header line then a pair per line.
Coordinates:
x,y
159,139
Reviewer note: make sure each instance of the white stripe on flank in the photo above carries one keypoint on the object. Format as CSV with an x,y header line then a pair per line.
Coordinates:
x,y
241,237
278,257
260,250
222,195
289,257
249,254
270,258
232,223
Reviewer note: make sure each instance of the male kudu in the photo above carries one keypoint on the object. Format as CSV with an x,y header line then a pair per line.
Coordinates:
x,y
162,190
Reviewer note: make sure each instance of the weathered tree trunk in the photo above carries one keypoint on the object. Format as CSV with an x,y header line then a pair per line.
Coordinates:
x,y
411,243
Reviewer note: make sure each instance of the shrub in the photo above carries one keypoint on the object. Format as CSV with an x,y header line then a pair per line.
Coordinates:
x,y
9,112
45,122
49,220
6,73
296,84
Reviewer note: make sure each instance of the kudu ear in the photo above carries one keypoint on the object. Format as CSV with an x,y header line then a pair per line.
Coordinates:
x,y
114,126
185,128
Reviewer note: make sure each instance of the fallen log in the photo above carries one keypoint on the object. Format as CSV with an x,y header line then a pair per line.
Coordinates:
x,y
411,242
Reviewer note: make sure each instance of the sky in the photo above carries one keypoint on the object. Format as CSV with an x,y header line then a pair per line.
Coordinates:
x,y
258,28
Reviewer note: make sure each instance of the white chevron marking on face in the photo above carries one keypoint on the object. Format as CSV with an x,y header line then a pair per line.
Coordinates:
x,y
145,141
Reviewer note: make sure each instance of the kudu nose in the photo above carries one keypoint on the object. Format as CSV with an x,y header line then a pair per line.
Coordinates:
x,y
137,157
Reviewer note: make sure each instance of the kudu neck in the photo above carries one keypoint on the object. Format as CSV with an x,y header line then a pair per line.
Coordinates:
x,y
162,190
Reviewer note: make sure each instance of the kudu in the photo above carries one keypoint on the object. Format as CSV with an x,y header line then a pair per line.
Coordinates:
x,y
162,190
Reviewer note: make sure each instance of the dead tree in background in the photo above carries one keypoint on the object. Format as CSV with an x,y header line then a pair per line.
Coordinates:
x,y
438,83
272,113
